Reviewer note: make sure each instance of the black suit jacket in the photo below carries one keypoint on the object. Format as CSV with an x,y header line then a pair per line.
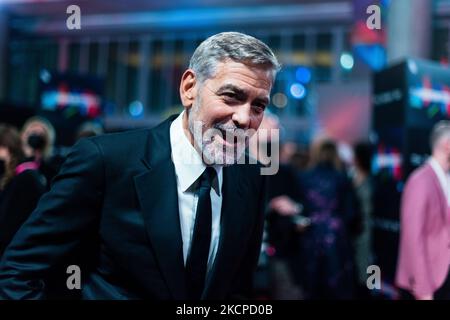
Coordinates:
x,y
17,200
122,188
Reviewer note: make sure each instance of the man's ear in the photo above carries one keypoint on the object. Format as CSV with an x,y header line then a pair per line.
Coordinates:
x,y
188,88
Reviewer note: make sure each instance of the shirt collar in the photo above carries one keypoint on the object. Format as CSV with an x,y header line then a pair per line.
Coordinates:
x,y
187,161
442,176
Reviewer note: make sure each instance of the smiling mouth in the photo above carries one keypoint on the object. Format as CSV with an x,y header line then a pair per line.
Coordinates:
x,y
226,142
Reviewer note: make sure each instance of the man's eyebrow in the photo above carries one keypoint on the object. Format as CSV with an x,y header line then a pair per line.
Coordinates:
x,y
263,100
230,87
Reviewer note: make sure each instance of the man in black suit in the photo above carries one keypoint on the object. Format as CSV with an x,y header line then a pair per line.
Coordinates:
x,y
174,211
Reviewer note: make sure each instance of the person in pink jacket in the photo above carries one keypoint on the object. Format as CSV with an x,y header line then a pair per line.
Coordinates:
x,y
424,253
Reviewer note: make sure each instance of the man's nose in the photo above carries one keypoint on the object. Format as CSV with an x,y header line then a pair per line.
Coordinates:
x,y
241,116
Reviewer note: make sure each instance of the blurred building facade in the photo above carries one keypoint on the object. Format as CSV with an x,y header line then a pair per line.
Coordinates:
x,y
140,48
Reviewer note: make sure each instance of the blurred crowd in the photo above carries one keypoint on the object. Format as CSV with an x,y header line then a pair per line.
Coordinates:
x,y
318,235
28,163
318,238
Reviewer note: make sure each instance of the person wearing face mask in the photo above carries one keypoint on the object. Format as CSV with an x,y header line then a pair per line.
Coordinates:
x,y
38,138
424,252
20,185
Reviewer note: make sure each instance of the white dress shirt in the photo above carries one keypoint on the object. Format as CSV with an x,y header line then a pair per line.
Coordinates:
x,y
188,168
443,178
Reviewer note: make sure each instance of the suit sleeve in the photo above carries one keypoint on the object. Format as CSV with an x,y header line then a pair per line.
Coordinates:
x,y
413,271
56,227
24,198
242,287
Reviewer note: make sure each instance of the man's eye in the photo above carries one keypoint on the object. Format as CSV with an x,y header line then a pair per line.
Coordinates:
x,y
230,98
259,108
229,95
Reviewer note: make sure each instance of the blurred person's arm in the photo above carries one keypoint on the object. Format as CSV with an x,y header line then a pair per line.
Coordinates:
x,y
285,206
63,217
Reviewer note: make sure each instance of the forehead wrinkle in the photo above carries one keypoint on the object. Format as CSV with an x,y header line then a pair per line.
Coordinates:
x,y
255,82
253,76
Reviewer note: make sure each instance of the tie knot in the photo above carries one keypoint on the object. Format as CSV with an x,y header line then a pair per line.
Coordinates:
x,y
207,177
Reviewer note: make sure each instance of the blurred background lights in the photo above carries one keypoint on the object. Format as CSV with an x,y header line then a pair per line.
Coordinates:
x,y
279,100
298,91
347,61
45,76
303,75
136,108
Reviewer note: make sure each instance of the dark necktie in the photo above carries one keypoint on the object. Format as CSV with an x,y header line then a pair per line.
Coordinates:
x,y
197,261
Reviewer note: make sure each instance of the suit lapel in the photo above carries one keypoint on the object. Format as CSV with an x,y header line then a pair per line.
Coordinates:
x,y
234,223
157,193
440,192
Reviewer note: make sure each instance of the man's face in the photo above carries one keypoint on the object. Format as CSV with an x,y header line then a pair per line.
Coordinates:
x,y
227,109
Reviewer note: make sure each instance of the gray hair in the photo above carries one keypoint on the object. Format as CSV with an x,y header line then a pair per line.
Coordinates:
x,y
440,130
236,46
